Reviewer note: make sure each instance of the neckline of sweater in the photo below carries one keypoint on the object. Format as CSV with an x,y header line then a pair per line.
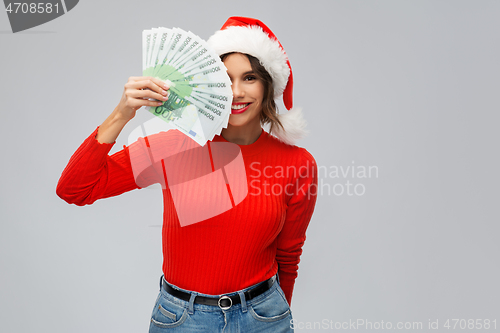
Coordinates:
x,y
252,148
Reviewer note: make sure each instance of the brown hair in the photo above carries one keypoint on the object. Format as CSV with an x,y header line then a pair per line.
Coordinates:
x,y
269,112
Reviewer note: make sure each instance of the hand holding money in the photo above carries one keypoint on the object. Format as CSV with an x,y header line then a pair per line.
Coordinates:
x,y
138,92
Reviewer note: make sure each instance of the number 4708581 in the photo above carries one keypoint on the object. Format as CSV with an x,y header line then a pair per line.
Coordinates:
x,y
25,8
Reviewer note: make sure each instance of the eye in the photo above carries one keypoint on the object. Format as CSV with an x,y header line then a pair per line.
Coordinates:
x,y
250,78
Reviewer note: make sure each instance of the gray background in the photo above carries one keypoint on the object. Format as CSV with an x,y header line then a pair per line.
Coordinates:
x,y
408,86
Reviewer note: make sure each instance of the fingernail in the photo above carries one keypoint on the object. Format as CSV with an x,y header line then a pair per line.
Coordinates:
x,y
166,87
165,98
164,92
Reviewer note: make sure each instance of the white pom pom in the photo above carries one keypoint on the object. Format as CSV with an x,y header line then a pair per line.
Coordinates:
x,y
294,126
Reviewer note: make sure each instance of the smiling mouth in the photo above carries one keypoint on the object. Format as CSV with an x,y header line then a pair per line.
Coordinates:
x,y
239,106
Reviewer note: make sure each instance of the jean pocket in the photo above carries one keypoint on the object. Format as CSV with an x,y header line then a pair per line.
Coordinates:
x,y
272,308
167,314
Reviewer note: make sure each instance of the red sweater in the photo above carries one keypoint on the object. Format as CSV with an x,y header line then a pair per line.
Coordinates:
x,y
247,244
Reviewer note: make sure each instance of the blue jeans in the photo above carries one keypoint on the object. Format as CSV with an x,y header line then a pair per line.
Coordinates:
x,y
268,312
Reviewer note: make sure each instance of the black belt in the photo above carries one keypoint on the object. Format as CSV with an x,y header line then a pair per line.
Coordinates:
x,y
224,302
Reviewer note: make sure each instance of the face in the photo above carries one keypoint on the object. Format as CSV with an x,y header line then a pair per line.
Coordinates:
x,y
248,91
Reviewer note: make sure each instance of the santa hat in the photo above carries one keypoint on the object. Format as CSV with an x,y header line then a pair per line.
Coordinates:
x,y
251,36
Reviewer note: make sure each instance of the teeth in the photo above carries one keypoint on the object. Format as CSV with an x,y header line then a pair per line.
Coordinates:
x,y
239,106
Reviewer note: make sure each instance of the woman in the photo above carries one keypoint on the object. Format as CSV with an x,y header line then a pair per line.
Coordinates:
x,y
233,272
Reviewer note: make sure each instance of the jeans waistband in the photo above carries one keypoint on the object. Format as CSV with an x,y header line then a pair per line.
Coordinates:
x,y
225,302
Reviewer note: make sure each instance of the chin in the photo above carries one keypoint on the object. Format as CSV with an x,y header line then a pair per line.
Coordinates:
x,y
237,120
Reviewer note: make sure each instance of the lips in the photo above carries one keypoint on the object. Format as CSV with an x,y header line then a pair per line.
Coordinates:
x,y
239,107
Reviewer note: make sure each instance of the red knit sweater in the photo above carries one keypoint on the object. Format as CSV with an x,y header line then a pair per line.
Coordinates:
x,y
245,245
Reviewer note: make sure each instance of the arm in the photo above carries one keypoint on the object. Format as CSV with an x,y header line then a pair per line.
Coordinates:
x,y
299,212
91,174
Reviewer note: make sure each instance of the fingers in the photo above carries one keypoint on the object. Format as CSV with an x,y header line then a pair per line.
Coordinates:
x,y
148,93
147,87
136,104
148,79
142,91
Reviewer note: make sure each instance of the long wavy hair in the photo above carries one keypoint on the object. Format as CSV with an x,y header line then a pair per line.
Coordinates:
x,y
269,112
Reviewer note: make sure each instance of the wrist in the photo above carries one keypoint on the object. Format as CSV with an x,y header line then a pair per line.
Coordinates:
x,y
111,127
117,117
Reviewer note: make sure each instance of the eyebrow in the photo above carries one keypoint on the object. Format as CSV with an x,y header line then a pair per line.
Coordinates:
x,y
246,73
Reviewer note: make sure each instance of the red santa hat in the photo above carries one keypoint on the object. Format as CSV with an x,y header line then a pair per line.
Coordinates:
x,y
251,36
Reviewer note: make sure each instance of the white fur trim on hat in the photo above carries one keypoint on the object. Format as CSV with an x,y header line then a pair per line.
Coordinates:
x,y
294,126
254,41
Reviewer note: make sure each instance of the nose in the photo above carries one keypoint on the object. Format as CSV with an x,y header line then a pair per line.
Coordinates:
x,y
238,91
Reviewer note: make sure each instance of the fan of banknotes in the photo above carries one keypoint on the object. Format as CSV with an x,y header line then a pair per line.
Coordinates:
x,y
200,95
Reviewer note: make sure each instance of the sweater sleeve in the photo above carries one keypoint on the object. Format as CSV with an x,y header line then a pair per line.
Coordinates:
x,y
91,174
298,214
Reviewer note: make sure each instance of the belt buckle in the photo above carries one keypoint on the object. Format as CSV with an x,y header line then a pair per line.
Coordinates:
x,y
225,307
